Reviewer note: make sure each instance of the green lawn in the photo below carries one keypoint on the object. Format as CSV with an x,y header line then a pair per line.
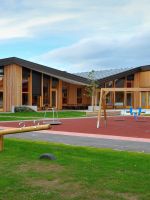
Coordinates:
x,y
39,115
78,173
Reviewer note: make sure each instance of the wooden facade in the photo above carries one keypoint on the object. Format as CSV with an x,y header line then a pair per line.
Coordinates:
x,y
17,89
12,87
23,83
136,92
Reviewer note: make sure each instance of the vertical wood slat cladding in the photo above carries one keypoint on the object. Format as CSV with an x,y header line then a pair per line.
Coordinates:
x,y
144,79
136,94
50,91
12,86
59,95
72,94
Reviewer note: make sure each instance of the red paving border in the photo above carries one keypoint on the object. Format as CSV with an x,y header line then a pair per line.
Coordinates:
x,y
126,128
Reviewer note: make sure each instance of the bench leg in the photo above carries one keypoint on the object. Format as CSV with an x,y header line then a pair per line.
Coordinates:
x,y
1,142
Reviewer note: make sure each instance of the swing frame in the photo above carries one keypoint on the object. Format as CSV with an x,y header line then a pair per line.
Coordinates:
x,y
102,100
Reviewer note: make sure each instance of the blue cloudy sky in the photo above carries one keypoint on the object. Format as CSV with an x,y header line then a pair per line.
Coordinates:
x,y
76,35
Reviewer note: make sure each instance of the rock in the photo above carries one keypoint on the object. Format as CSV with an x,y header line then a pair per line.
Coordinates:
x,y
48,156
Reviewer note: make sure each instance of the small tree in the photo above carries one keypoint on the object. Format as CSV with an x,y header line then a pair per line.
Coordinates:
x,y
91,88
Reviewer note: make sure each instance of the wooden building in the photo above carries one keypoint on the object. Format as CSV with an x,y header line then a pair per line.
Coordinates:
x,y
27,83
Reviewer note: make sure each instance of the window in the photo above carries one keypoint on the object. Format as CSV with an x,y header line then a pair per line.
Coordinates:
x,y
36,89
109,99
1,83
1,87
25,85
46,90
1,71
109,84
79,95
130,77
65,95
54,82
130,81
1,100
129,99
119,99
24,98
120,83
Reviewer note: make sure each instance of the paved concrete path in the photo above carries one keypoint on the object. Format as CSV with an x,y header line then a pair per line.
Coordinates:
x,y
84,140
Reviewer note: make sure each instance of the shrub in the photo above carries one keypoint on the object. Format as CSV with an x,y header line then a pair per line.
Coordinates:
x,y
23,109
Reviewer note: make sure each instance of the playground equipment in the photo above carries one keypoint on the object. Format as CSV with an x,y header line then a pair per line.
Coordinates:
x,y
104,92
20,130
136,114
55,120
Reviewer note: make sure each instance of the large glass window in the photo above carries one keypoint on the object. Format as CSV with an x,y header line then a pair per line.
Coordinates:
x,y
1,83
109,99
1,87
54,82
79,95
1,71
24,98
46,90
36,100
36,88
130,81
109,84
64,95
144,99
119,99
129,101
148,99
120,83
1,100
25,85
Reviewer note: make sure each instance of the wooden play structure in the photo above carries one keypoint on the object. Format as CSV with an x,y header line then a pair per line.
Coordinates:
x,y
102,100
20,130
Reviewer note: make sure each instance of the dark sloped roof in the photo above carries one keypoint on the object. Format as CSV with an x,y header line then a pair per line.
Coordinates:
x,y
78,78
65,76
111,74
103,73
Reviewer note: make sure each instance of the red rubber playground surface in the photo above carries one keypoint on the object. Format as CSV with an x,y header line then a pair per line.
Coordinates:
x,y
116,126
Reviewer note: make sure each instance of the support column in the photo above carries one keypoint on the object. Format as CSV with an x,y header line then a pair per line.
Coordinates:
x,y
30,89
41,97
59,95
1,142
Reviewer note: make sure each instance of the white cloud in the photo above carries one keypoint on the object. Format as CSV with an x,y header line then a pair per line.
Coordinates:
x,y
99,53
103,32
84,18
20,27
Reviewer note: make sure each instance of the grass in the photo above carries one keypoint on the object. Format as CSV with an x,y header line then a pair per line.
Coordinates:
x,y
78,173
39,115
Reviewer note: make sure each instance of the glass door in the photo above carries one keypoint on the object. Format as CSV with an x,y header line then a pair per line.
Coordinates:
x,y
129,100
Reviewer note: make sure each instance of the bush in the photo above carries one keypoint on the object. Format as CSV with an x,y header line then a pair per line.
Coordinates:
x,y
23,109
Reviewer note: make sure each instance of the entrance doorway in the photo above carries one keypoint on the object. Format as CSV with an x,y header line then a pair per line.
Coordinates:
x,y
129,100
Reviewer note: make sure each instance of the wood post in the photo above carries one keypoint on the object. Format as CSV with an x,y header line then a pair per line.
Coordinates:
x,y
21,130
104,108
1,142
100,109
